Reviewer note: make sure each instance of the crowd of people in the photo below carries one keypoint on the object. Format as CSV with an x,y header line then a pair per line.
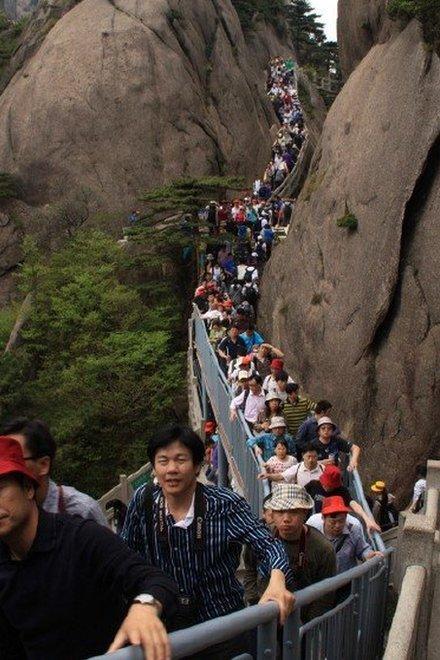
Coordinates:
x,y
71,588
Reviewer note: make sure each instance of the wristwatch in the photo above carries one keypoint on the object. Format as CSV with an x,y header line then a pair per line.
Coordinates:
x,y
148,599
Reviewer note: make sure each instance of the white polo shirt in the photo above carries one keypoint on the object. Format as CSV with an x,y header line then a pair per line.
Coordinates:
x,y
299,474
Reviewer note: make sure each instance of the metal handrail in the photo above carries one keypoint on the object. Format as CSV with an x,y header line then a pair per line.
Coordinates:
x,y
197,638
356,486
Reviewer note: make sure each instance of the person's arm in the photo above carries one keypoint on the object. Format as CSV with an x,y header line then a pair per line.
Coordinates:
x,y
349,447
250,577
96,513
301,436
221,352
243,527
115,568
254,443
370,523
275,351
235,403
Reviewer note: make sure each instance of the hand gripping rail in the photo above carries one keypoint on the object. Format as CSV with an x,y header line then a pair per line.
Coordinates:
x,y
352,630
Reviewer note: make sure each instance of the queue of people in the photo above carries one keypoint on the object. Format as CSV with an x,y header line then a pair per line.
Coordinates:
x,y
71,588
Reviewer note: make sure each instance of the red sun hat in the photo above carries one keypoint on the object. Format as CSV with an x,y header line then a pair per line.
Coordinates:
x,y
277,364
12,460
331,478
210,426
334,504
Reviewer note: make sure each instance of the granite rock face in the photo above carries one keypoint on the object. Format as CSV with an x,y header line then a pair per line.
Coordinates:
x,y
123,95
361,24
359,311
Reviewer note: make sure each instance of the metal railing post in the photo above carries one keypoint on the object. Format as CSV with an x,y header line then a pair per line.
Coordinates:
x,y
291,636
267,640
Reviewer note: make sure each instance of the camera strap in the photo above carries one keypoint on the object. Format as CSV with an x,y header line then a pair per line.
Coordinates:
x,y
196,527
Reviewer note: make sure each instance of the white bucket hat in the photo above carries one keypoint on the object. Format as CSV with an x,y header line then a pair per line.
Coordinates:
x,y
286,497
277,422
325,420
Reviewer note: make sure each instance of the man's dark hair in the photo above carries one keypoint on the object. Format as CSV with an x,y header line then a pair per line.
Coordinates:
x,y
292,387
174,433
322,406
309,447
283,376
234,325
39,440
282,442
251,327
257,378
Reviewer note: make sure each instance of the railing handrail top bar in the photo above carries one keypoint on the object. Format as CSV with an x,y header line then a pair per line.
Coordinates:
x,y
251,617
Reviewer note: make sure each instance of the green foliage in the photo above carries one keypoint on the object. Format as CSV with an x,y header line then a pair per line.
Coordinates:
x,y
101,357
313,50
271,11
189,195
174,15
10,32
348,220
427,11
9,186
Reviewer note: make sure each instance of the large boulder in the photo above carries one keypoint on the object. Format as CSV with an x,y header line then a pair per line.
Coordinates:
x,y
124,95
358,312
361,25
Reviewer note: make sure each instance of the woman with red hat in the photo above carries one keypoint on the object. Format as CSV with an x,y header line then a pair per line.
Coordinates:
x,y
347,537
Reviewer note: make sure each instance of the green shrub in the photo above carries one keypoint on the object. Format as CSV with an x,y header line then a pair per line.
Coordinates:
x,y
10,187
427,11
101,356
348,220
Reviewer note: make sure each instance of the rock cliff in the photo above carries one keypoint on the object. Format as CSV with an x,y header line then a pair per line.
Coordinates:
x,y
359,311
361,24
123,95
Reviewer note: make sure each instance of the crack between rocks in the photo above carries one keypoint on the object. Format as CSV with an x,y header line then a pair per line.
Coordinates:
x,y
413,208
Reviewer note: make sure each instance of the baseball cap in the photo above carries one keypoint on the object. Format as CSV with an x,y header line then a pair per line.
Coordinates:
x,y
277,364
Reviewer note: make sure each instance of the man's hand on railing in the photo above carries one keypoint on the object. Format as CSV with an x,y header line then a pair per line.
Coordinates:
x,y
258,451
373,554
276,592
233,415
143,627
262,475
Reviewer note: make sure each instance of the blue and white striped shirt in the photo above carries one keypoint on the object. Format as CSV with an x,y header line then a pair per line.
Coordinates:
x,y
210,575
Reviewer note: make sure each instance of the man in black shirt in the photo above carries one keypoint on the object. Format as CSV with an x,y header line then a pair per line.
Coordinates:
x,y
70,588
231,347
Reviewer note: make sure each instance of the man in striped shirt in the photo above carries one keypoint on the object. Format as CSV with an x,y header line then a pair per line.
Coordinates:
x,y
195,534
296,409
